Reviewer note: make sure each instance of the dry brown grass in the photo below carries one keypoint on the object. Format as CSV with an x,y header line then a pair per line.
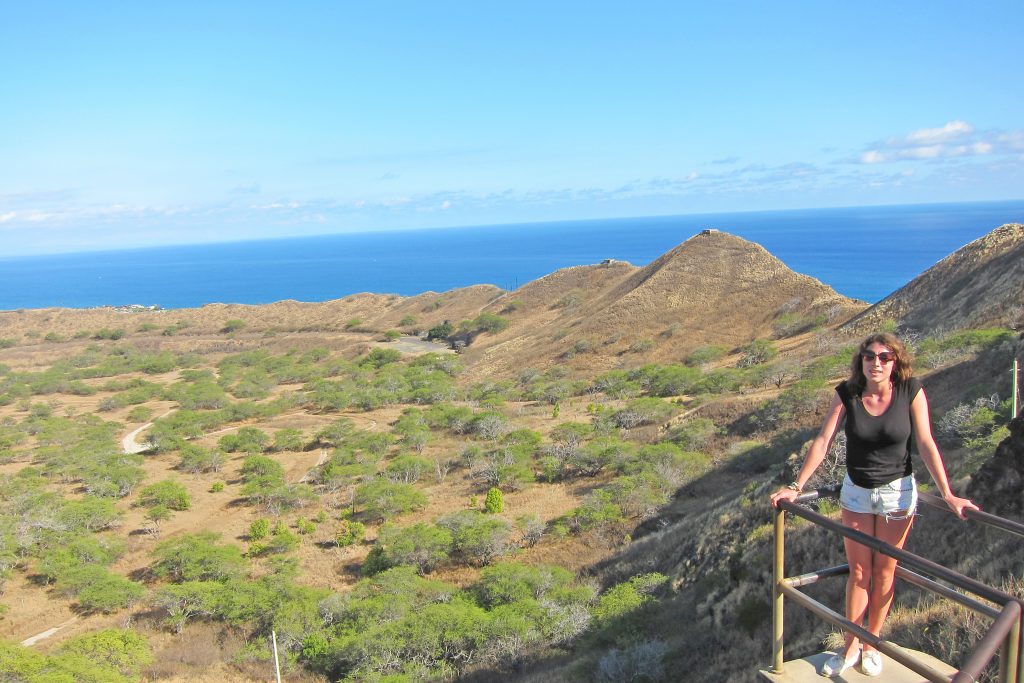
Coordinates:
x,y
718,290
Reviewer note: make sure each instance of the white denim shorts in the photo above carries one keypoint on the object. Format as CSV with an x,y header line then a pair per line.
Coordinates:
x,y
895,500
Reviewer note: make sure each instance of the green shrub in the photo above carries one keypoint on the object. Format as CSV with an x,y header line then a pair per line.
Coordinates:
x,y
757,352
442,331
382,499
140,414
167,493
259,529
421,545
477,537
109,593
702,355
110,334
198,557
642,346
494,502
350,533
624,598
246,440
233,325
288,439
378,358
123,650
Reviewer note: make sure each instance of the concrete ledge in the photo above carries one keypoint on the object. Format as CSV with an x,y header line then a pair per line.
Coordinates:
x,y
806,671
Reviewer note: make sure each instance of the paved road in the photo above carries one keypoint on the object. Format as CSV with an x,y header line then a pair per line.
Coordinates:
x,y
417,345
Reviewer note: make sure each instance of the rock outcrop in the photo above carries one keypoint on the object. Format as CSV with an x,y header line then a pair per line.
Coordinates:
x,y
978,285
998,487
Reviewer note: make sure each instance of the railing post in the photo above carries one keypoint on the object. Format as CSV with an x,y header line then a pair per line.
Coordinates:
x,y
778,574
1009,659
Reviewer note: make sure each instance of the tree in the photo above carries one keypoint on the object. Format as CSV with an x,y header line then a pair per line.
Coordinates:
x,y
642,411
421,545
124,650
479,538
378,358
157,515
261,466
259,529
99,590
233,325
167,493
198,557
247,440
196,459
381,499
288,439
187,600
508,583
757,352
494,502
442,331
406,469
349,533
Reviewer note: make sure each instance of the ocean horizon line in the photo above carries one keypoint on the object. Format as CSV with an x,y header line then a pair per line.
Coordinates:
x,y
838,246
524,224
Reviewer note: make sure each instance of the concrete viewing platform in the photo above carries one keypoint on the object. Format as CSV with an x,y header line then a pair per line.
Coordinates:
x,y
806,670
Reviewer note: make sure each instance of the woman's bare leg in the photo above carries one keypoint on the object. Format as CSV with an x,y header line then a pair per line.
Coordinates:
x,y
858,584
883,570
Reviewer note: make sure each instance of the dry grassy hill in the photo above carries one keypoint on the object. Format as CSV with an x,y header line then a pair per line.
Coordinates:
x,y
979,285
712,289
706,532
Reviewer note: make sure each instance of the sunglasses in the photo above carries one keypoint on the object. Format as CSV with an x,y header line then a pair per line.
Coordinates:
x,y
884,356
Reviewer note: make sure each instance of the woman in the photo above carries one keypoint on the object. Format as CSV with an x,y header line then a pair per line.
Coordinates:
x,y
885,409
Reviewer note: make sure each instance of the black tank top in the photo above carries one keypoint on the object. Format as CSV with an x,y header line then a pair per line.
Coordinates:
x,y
878,448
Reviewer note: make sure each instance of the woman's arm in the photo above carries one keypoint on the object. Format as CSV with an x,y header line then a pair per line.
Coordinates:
x,y
816,453
919,416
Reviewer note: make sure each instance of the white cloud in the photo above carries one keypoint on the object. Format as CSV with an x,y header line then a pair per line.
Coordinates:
x,y
951,131
928,152
954,140
446,204
9,216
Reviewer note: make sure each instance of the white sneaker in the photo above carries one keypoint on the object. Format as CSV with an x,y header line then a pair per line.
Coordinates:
x,y
837,664
871,663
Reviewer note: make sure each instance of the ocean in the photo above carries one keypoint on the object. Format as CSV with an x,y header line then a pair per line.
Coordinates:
x,y
861,252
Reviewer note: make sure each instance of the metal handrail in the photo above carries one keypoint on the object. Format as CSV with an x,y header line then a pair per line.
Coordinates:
x,y
975,515
1005,630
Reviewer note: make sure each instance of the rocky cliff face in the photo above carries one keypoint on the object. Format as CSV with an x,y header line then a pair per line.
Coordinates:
x,y
979,285
999,485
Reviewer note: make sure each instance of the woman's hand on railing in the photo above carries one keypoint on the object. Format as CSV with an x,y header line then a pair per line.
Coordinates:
x,y
959,505
785,493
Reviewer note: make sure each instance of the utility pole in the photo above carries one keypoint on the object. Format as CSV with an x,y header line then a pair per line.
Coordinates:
x,y
277,663
1013,387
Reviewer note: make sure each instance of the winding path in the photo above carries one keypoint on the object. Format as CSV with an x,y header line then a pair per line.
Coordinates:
x,y
29,642
130,444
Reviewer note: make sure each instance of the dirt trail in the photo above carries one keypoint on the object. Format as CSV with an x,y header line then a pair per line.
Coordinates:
x,y
29,642
130,444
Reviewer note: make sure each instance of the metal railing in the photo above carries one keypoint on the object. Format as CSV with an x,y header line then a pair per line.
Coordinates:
x,y
1004,635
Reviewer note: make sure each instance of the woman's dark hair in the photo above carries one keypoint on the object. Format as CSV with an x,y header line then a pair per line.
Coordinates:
x,y
901,371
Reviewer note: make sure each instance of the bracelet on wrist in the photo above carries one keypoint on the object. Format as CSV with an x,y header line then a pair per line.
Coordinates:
x,y
795,486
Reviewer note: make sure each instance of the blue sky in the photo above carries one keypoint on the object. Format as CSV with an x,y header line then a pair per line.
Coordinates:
x,y
135,124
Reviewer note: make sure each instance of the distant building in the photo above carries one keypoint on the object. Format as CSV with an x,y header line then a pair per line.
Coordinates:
x,y
708,231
